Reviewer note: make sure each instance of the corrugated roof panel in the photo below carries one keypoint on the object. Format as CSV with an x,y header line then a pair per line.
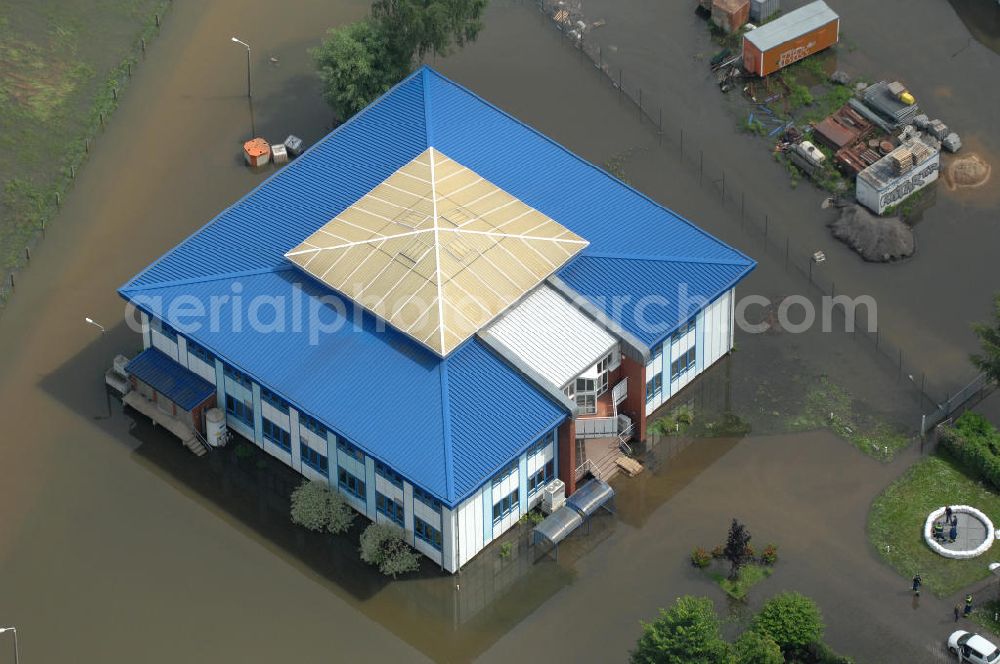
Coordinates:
x,y
551,336
791,25
183,387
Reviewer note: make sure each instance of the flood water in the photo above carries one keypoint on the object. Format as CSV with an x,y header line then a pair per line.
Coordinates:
x,y
117,545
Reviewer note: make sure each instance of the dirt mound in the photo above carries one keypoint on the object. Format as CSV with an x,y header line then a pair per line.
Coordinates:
x,y
968,171
876,239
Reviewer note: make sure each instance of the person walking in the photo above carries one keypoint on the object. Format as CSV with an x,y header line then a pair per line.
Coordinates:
x,y
968,605
958,611
953,532
917,582
947,514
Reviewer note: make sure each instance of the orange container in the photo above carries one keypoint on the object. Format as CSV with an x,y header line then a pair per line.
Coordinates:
x,y
788,39
256,152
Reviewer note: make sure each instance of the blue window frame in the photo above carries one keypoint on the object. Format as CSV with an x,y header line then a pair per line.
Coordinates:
x,y
541,477
313,459
313,425
542,444
506,505
683,364
200,352
426,532
507,471
277,402
348,483
350,450
654,386
389,474
238,376
657,352
241,410
426,498
276,434
166,330
683,330
390,507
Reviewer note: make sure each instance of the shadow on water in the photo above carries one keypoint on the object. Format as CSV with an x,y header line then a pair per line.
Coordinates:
x,y
982,18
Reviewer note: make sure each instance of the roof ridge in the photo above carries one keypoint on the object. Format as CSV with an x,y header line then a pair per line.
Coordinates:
x,y
449,454
206,278
587,163
668,259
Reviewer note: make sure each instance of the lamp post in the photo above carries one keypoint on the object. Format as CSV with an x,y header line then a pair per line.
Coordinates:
x,y
12,630
91,321
247,46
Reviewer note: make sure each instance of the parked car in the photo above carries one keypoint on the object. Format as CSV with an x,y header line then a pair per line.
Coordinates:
x,y
973,648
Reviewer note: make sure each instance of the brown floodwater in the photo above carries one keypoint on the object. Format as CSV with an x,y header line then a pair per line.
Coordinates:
x,y
117,545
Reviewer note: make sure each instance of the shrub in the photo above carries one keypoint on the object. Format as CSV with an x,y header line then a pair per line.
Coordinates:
x,y
751,552
383,545
756,648
316,507
975,443
700,558
718,551
505,550
769,555
686,634
791,619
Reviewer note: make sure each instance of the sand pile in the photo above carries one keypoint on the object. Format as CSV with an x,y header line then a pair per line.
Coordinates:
x,y
877,239
968,171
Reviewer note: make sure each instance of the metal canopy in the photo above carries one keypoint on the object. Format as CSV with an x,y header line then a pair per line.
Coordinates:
x,y
590,497
557,526
437,251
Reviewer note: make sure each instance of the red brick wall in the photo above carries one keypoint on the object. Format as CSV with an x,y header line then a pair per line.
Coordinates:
x,y
635,403
567,455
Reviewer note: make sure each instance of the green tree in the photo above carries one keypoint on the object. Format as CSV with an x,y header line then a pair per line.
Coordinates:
x,y
316,507
383,545
989,337
737,551
686,634
415,28
791,619
355,66
756,648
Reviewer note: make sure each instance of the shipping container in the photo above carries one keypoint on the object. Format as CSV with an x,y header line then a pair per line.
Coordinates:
x,y
761,10
730,15
898,175
790,38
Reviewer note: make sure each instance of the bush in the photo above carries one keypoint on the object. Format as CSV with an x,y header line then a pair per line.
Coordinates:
x,y
505,550
686,634
316,507
755,648
700,558
383,545
718,551
975,443
791,619
769,555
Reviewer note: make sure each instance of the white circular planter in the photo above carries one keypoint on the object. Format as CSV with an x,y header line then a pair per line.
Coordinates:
x,y
959,555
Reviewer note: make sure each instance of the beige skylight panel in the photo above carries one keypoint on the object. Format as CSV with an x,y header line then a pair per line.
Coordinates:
x,y
437,251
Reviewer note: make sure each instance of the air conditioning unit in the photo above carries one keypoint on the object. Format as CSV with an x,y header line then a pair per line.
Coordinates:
x,y
553,496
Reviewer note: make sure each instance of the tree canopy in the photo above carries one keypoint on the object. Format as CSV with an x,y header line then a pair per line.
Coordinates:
x,y
688,633
316,507
989,338
756,648
737,550
791,619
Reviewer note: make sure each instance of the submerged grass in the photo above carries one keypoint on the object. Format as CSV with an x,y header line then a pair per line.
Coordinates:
x,y
749,576
897,517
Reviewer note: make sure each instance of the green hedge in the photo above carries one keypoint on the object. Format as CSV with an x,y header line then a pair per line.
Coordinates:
x,y
975,443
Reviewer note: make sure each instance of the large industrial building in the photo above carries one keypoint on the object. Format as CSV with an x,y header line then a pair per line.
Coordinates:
x,y
434,309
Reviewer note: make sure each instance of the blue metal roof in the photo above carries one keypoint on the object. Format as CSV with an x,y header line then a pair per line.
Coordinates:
x,y
435,421
166,376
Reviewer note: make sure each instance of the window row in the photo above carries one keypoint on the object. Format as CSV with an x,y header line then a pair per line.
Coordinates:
x,y
426,532
276,434
350,484
238,376
200,352
389,474
389,507
426,498
682,364
506,505
313,425
241,410
350,450
682,331
314,459
541,477
165,329
654,386
542,443
269,397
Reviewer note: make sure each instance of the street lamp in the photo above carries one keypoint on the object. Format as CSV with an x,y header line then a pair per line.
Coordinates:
x,y
91,321
247,46
14,631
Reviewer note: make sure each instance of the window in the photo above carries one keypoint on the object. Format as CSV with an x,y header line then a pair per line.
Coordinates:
x,y
200,352
313,425
541,444
350,484
389,507
541,477
276,434
683,330
654,386
426,498
683,363
508,470
241,410
166,330
424,531
389,474
602,375
267,396
313,459
238,376
350,450
506,505
657,352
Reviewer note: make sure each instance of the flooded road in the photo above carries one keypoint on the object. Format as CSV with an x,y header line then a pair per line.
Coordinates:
x,y
117,545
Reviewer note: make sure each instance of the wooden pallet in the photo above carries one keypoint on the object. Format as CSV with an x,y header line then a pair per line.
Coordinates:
x,y
630,466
